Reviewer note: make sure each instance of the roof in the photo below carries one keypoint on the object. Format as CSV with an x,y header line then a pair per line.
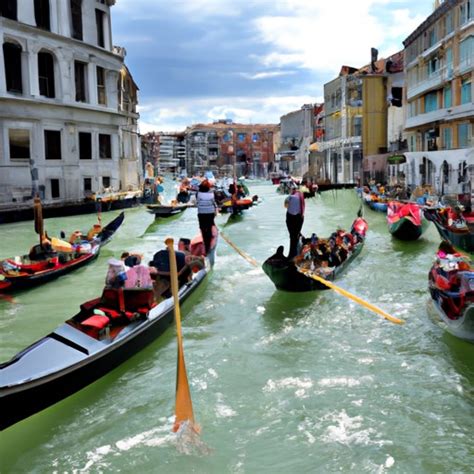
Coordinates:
x,y
234,126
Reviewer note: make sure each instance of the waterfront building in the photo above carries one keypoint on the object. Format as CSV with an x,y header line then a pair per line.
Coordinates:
x,y
224,146
317,163
296,136
439,60
68,120
171,151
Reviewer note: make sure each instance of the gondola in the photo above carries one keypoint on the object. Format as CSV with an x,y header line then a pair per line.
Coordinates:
x,y
235,207
451,286
28,271
405,220
460,234
105,332
166,210
375,202
286,273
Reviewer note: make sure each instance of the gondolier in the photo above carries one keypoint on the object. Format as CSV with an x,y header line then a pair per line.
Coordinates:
x,y
207,209
294,218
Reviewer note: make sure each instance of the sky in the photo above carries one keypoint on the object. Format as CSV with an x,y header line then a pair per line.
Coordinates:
x,y
197,61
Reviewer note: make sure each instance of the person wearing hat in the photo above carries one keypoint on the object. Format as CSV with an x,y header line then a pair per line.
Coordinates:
x,y
207,209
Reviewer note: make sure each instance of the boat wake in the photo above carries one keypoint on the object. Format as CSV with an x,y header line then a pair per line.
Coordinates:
x,y
188,441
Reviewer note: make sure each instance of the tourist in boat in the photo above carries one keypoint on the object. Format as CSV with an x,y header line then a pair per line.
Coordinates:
x,y
295,206
207,209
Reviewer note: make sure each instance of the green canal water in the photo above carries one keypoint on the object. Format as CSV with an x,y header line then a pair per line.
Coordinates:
x,y
280,382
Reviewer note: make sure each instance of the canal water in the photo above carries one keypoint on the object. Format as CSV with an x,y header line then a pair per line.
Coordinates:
x,y
280,382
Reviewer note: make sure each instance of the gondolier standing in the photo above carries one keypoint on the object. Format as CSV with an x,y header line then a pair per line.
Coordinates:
x,y
207,209
294,218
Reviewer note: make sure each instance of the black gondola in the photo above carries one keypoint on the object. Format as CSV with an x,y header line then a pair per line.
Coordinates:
x,y
285,274
461,236
26,273
166,210
106,332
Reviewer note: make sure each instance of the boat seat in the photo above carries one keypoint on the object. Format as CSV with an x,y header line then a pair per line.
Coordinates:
x,y
133,299
95,325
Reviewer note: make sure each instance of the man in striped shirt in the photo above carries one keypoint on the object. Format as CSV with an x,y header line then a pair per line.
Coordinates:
x,y
294,218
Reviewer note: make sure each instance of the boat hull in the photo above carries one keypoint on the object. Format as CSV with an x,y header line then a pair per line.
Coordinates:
x,y
405,229
285,276
165,211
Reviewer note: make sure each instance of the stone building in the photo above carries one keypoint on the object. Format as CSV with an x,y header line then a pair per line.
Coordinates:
x,y
439,60
67,105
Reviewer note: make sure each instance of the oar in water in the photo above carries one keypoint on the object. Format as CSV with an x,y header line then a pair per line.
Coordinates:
x,y
349,295
249,259
184,406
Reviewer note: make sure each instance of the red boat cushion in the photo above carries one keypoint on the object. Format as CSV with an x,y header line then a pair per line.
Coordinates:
x,y
134,298
111,313
97,321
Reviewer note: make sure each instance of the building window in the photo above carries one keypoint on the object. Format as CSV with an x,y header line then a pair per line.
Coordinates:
x,y
106,181
241,137
8,9
447,138
19,140
448,22
449,62
431,101
465,13
463,135
12,59
76,19
105,146
52,144
87,185
397,96
466,91
357,123
101,92
46,74
80,80
432,38
85,146
54,188
42,14
466,50
447,96
99,22
256,137
433,66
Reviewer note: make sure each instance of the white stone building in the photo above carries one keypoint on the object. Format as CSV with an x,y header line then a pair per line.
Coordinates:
x,y
64,126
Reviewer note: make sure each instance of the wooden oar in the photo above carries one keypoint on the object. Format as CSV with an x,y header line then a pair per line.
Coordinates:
x,y
249,259
184,406
349,295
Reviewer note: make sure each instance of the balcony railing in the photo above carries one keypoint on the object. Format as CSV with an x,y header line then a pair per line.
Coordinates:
x,y
435,79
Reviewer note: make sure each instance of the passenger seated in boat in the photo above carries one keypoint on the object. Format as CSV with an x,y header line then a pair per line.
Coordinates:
x,y
116,274
42,251
455,218
94,231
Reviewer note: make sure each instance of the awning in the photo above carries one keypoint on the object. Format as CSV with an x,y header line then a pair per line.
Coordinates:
x,y
396,159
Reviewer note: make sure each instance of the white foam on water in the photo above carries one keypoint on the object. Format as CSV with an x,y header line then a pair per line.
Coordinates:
x,y
212,373
255,271
224,411
344,381
366,360
357,403
389,462
347,430
261,309
300,383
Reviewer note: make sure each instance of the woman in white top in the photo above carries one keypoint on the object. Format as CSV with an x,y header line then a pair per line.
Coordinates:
x,y
207,209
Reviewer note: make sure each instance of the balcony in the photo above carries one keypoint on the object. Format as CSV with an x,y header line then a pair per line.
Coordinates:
x,y
465,65
435,80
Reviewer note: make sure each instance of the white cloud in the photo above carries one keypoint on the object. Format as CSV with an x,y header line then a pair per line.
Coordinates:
x,y
176,114
323,35
266,75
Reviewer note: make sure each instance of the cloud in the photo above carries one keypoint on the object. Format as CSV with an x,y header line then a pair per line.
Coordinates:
x,y
265,75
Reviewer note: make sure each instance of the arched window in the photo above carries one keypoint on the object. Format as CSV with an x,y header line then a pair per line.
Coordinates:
x,y
46,74
42,14
12,58
8,9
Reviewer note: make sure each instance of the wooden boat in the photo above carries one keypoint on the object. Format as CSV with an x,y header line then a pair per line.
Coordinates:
x,y
286,275
405,220
236,207
26,272
166,210
457,227
104,333
451,286
376,202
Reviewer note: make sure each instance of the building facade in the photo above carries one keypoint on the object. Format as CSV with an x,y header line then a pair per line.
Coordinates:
x,y
68,121
296,136
225,146
439,60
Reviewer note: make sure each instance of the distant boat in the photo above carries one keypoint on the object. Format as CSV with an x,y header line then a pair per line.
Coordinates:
x,y
166,210
405,220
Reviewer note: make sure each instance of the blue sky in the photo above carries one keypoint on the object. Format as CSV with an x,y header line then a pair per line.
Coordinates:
x,y
196,61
